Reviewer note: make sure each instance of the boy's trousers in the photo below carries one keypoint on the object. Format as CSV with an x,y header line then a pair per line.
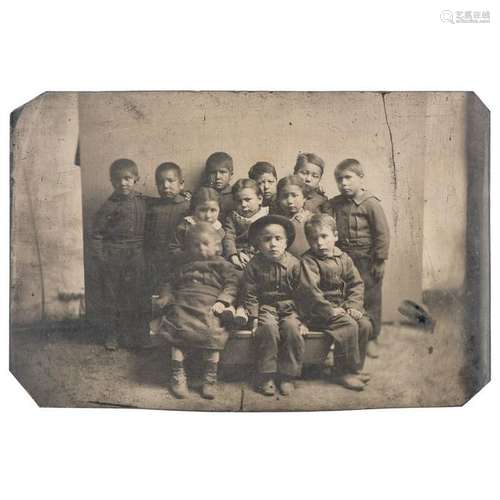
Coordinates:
x,y
350,339
373,292
279,344
122,276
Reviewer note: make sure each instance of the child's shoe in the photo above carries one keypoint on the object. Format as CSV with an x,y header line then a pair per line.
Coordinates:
x,y
286,386
111,342
363,376
350,381
372,349
329,360
209,387
240,318
267,387
178,380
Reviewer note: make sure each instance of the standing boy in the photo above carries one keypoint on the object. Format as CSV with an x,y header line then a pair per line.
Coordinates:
x,y
163,216
363,234
271,278
218,174
264,174
117,249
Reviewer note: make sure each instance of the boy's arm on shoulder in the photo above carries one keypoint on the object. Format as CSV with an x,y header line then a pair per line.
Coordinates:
x,y
230,283
250,295
379,229
229,240
355,288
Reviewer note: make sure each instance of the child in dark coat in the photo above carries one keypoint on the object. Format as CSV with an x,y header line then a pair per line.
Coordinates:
x,y
363,235
163,216
291,199
118,253
271,278
217,175
194,298
330,299
310,167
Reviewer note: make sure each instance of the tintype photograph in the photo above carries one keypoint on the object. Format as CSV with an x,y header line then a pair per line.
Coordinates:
x,y
250,251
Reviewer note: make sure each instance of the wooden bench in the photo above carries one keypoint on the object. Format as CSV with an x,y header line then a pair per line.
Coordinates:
x,y
239,349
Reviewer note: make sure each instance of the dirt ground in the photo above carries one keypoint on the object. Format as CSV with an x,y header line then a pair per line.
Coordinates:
x,y
71,369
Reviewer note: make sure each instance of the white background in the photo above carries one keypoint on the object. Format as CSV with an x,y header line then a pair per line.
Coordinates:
x,y
253,45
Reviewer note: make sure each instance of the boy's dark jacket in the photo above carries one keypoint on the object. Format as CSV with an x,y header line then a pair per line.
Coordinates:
x,y
361,224
327,283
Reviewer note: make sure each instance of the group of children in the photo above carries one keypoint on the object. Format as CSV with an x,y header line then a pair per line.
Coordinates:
x,y
277,257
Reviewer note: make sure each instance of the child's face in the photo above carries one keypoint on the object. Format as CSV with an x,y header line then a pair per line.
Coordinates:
x,y
267,184
203,246
310,174
291,199
322,241
248,202
349,183
219,177
168,184
207,212
123,181
272,241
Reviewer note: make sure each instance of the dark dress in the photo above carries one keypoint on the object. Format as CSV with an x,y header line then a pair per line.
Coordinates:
x,y
188,321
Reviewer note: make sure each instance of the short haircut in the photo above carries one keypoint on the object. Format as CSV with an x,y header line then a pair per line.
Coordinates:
x,y
123,164
200,228
261,168
219,159
165,167
349,164
291,180
304,158
241,184
203,195
319,220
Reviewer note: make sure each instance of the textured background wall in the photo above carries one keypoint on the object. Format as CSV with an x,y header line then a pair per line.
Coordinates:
x,y
386,134
46,213
445,204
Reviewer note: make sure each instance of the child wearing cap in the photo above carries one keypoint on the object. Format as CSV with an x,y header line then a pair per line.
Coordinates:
x,y
217,175
194,298
291,198
117,248
330,299
271,278
264,174
310,167
363,234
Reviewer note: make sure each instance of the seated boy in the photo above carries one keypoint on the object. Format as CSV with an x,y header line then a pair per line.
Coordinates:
x,y
270,281
310,167
363,235
330,299
217,175
117,249
163,216
264,174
